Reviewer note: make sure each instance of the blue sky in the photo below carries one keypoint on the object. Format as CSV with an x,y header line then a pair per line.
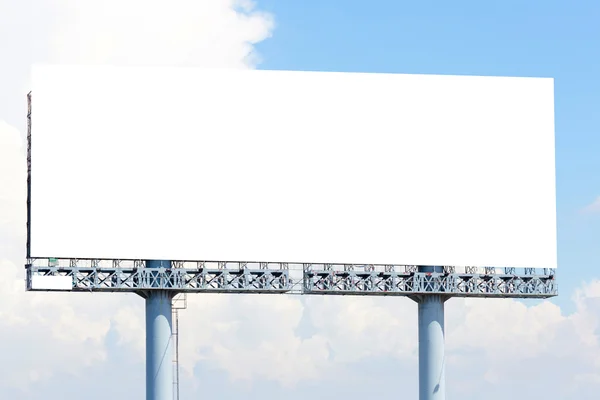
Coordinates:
x,y
557,39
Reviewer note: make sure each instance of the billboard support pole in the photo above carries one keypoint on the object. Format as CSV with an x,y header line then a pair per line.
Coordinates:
x,y
159,339
432,369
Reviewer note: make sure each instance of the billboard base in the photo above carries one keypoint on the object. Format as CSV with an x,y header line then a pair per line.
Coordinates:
x,y
159,281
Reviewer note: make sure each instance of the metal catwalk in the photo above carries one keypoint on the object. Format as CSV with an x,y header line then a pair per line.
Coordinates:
x,y
239,277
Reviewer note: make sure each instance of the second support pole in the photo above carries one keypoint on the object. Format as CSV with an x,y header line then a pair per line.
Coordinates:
x,y
159,342
432,370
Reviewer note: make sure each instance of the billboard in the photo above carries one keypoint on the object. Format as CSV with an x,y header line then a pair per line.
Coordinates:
x,y
291,166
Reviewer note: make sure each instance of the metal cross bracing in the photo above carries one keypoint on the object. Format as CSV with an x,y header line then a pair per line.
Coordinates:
x,y
133,276
389,283
317,279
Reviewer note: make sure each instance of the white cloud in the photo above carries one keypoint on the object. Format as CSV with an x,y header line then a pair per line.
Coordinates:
x,y
181,32
13,174
523,331
360,327
251,337
594,207
44,334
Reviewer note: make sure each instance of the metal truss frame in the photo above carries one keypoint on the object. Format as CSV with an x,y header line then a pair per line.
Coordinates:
x,y
98,275
419,283
133,276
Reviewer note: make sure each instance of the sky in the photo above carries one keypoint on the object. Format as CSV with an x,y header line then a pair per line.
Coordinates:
x,y
63,346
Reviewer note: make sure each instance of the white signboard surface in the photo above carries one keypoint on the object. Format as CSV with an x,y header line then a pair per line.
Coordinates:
x,y
283,166
39,282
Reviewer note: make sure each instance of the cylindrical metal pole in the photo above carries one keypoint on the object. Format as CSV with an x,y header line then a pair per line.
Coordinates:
x,y
432,380
432,385
159,345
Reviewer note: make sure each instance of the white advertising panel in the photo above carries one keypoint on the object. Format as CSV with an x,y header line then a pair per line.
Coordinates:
x,y
287,166
39,282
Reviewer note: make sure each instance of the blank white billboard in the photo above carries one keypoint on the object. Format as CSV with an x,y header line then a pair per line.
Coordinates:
x,y
285,166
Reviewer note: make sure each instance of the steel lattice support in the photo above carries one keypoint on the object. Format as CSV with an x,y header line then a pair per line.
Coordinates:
x,y
409,284
172,279
326,279
159,281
